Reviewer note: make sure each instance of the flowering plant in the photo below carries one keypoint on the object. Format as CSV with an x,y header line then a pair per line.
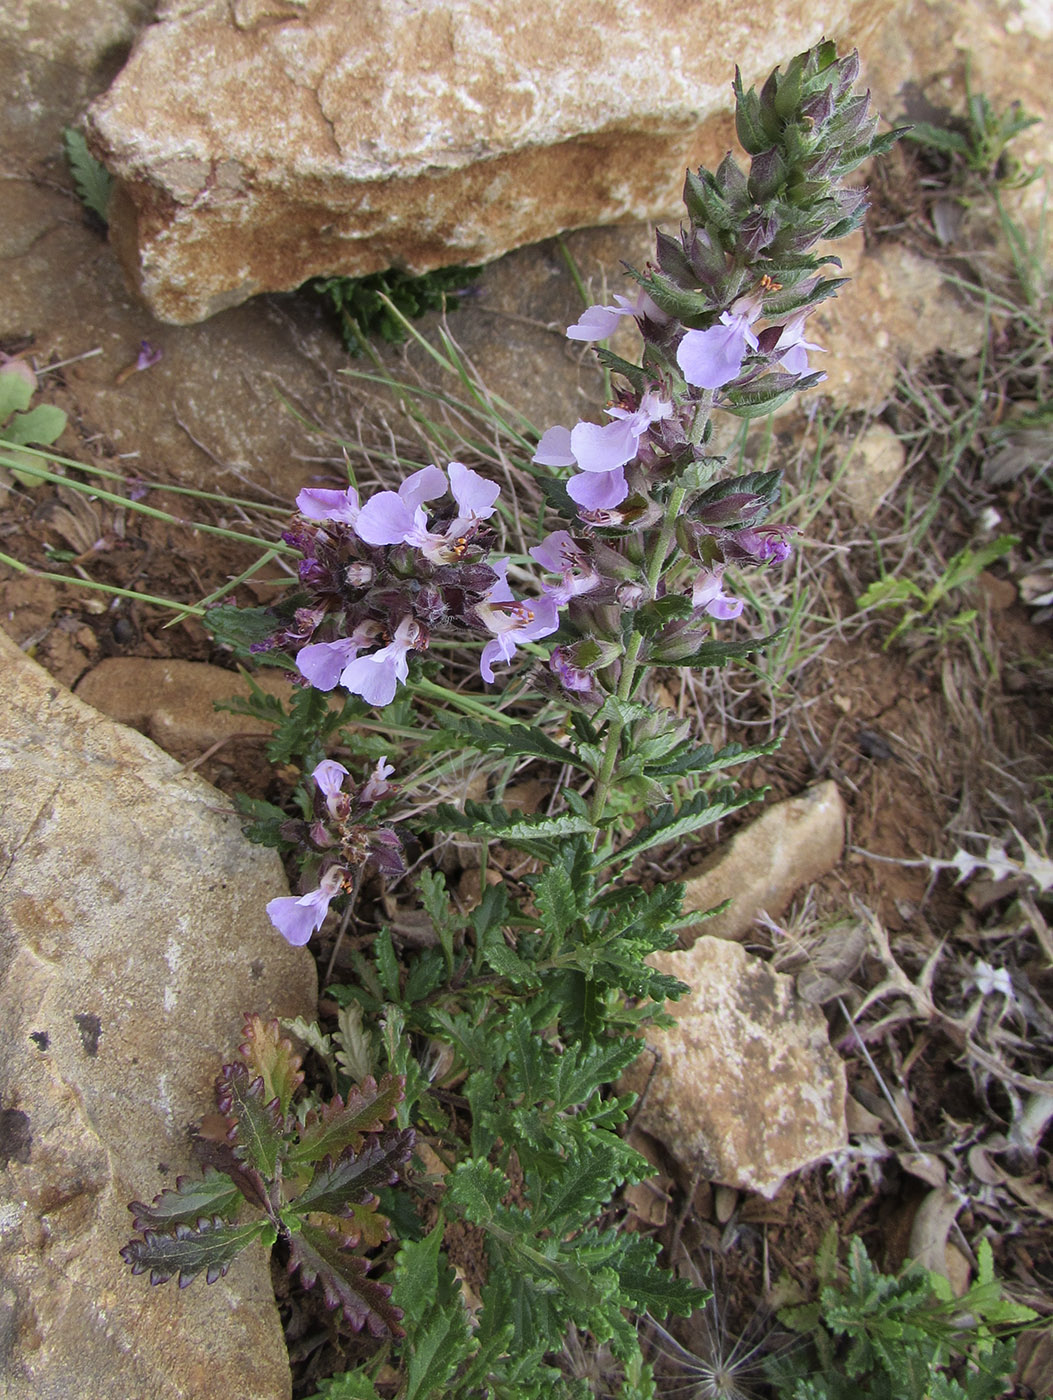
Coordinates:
x,y
529,1004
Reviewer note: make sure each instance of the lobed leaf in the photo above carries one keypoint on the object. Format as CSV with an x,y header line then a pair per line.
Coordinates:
x,y
271,1057
353,1176
516,740
209,1248
190,1201
339,1124
363,1301
670,823
258,1124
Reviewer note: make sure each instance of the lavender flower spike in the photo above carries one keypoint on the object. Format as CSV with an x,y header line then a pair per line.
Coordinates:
x,y
296,919
712,358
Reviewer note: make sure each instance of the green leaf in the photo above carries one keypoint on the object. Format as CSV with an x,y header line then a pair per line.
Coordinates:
x,y
190,1201
270,1056
720,653
766,394
349,1385
265,828
505,961
92,180
516,740
238,628
491,821
257,1121
387,965
670,823
649,1288
209,1248
476,1188
335,1126
556,900
41,425
321,1259
439,1338
704,760
348,1181
16,390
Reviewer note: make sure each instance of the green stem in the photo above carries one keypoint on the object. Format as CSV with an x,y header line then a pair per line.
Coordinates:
x,y
631,659
467,703
183,608
154,514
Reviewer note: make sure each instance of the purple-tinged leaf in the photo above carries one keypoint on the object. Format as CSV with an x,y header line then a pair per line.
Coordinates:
x,y
342,1277
353,1177
210,1248
269,1055
362,1228
190,1201
258,1123
338,1125
213,1142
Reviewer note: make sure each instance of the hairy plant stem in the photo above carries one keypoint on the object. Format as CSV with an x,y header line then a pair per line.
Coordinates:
x,y
631,659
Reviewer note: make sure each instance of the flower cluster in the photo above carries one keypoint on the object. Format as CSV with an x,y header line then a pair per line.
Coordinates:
x,y
346,841
384,576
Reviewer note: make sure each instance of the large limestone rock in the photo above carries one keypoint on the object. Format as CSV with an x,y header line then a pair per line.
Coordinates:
x,y
262,142
132,941
745,1085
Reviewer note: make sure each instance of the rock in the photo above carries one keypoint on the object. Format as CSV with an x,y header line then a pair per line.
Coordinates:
x,y
873,468
259,146
792,844
745,1084
132,941
896,313
171,702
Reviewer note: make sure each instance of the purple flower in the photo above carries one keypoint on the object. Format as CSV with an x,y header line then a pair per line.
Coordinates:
x,y
599,322
377,785
322,662
389,516
296,919
607,447
560,554
602,450
329,777
792,347
711,358
707,595
148,356
554,449
318,504
399,517
767,544
595,491
376,677
511,622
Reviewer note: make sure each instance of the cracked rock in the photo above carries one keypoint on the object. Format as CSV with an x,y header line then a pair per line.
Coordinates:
x,y
261,144
746,1085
